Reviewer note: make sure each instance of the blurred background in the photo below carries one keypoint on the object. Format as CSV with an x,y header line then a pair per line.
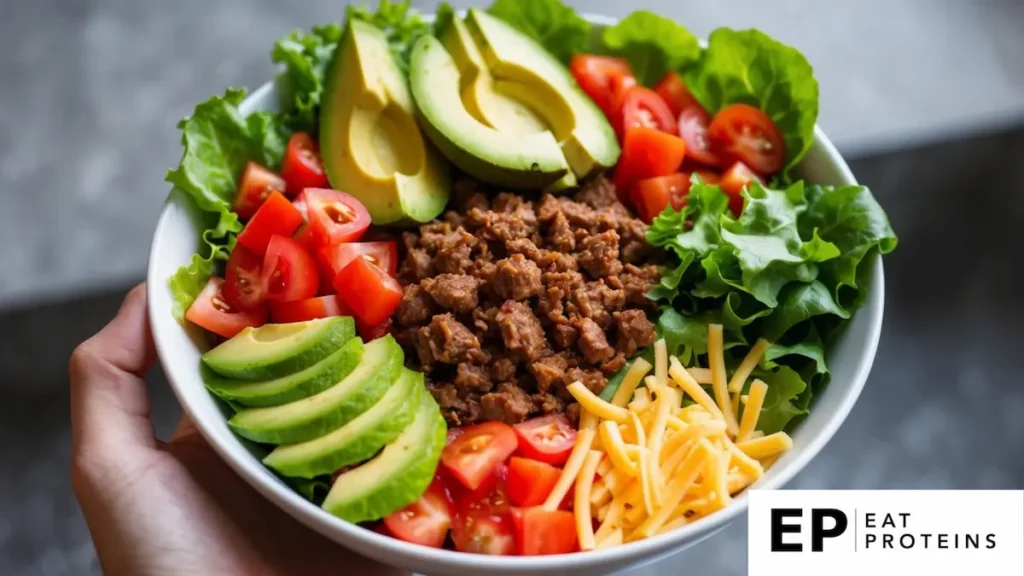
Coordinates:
x,y
924,97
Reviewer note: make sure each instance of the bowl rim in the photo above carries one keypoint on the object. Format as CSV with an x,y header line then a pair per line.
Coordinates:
x,y
352,536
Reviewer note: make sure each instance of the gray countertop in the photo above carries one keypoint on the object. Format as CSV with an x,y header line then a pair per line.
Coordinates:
x,y
92,91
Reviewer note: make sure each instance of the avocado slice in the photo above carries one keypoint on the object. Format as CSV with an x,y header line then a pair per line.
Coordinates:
x,y
505,110
296,386
397,476
470,121
371,145
317,415
358,440
276,350
532,75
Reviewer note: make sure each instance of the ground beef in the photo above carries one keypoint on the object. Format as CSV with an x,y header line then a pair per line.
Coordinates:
x,y
634,331
455,292
516,278
508,299
510,404
521,330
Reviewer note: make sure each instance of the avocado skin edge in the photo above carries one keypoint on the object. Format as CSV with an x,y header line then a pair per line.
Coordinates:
x,y
362,447
340,332
364,395
398,491
249,393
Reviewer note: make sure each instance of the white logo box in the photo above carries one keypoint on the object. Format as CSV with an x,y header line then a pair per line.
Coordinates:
x,y
898,532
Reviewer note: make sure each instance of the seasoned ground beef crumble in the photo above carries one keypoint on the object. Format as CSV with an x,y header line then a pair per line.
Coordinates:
x,y
507,300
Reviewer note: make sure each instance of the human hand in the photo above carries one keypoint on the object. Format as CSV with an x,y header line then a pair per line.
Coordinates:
x,y
156,508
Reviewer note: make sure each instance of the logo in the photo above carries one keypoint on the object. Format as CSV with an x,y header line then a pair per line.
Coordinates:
x,y
858,532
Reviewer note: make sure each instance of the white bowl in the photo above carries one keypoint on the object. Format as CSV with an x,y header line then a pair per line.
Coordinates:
x,y
177,238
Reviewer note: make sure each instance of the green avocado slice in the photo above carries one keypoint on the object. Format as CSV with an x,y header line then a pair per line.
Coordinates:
x,y
358,440
371,145
397,476
317,415
301,384
276,350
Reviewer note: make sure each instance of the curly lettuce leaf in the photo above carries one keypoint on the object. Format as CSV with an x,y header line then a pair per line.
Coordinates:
x,y
402,24
218,143
306,57
850,218
749,67
555,26
784,400
652,44
188,281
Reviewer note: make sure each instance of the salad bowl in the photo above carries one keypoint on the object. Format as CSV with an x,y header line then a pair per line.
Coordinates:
x,y
177,238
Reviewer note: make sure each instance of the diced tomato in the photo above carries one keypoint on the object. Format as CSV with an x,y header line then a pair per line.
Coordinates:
x,y
369,291
745,134
302,166
604,79
383,254
307,239
693,128
276,216
642,107
243,280
540,532
478,451
647,153
289,272
211,311
256,185
308,309
530,481
427,520
335,216
453,433
546,438
369,333
674,92
482,524
650,196
300,205
734,181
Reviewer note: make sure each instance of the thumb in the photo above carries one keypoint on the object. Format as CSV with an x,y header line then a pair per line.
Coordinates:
x,y
109,403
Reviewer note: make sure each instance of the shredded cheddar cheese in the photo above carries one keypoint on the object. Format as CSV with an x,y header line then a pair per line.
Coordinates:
x,y
666,451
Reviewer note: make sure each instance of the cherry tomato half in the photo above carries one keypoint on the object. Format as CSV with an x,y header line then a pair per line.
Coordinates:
x,y
308,309
335,216
734,181
482,524
276,216
369,291
674,92
302,166
383,254
744,133
650,196
540,532
478,451
211,311
546,438
427,520
243,280
693,128
604,79
529,481
289,272
647,153
642,107
256,185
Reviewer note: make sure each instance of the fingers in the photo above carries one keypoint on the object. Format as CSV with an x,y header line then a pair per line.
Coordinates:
x,y
109,404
